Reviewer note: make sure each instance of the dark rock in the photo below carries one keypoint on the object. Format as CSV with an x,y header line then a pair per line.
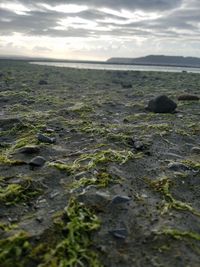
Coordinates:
x,y
161,104
39,219
37,162
177,166
126,85
29,150
119,233
120,200
196,150
188,97
96,199
46,139
42,82
54,194
138,145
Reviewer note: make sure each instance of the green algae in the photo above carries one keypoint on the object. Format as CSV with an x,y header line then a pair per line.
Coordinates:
x,y
24,141
74,248
13,193
6,227
101,180
4,160
163,185
14,249
178,234
94,128
192,164
89,161
72,245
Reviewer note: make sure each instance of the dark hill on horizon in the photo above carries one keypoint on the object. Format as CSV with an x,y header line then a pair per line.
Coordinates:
x,y
158,60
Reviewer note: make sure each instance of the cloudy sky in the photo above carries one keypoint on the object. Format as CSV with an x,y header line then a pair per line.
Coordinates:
x,y
99,29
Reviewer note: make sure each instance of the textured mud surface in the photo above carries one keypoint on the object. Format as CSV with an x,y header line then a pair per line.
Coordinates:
x,y
88,177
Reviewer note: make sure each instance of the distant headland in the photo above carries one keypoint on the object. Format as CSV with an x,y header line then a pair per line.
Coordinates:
x,y
158,60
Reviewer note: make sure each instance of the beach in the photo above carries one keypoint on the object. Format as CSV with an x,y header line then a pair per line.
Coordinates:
x,y
89,176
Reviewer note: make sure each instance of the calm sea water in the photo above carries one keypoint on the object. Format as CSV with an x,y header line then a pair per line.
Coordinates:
x,y
117,67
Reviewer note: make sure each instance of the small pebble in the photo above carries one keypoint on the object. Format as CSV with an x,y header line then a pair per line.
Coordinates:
x,y
46,139
94,198
119,233
37,161
54,194
39,219
177,166
120,200
138,145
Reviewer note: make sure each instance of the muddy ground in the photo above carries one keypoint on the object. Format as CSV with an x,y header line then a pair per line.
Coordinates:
x,y
88,177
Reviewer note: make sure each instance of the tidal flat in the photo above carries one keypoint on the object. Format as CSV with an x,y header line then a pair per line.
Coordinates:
x,y
89,177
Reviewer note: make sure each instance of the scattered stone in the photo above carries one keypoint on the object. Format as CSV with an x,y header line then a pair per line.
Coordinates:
x,y
42,82
144,195
39,219
120,200
180,116
54,194
13,220
177,166
37,162
126,85
196,150
46,139
119,233
138,145
29,150
41,203
49,130
188,97
161,104
98,200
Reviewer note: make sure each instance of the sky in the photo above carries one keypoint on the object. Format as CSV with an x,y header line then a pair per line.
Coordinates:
x,y
99,29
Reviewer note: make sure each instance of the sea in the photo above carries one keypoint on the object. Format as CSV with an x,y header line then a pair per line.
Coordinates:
x,y
96,66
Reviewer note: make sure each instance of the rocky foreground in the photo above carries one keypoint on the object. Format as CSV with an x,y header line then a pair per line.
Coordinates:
x,y
92,174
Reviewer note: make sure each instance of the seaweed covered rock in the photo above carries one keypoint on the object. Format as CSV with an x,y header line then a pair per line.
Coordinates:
x,y
161,104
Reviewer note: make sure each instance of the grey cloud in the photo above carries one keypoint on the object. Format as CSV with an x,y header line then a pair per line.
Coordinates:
x,y
115,4
41,49
42,22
